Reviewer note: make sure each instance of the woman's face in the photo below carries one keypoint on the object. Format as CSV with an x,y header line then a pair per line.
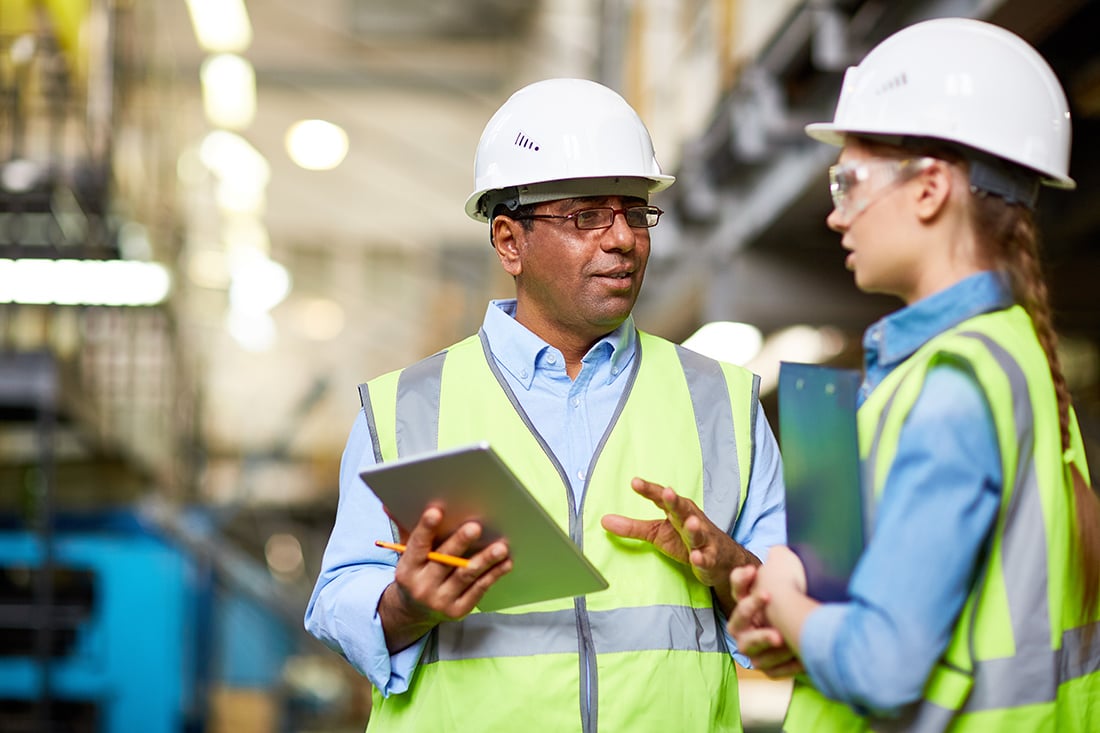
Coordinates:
x,y
873,213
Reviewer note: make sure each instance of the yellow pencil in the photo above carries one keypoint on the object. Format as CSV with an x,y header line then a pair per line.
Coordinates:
x,y
452,560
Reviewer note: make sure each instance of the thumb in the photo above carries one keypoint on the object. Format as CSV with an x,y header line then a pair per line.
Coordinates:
x,y
625,526
741,580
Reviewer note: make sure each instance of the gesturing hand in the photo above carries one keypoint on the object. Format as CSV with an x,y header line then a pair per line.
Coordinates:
x,y
685,534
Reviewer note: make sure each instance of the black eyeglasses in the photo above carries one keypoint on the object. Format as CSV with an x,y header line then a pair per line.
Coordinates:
x,y
640,217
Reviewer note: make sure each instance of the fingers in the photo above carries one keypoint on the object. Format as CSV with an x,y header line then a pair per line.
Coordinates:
x,y
763,643
748,614
741,581
464,587
422,537
443,591
682,513
635,529
664,497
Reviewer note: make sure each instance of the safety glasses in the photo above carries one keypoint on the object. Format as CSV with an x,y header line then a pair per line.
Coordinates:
x,y
873,177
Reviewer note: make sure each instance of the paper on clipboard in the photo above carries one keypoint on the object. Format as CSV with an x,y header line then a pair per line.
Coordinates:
x,y
472,482
821,470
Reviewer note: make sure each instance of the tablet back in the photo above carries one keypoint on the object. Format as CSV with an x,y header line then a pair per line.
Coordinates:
x,y
472,482
820,447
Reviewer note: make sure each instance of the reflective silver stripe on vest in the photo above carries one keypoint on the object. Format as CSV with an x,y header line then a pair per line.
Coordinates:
x,y
1076,657
714,421
918,718
1033,674
648,628
1042,669
372,429
418,406
1003,683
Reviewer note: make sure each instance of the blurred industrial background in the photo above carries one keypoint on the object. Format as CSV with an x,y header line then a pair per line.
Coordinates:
x,y
191,286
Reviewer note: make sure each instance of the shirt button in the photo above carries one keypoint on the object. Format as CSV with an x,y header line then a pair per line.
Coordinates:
x,y
580,475
614,370
523,374
576,402
552,359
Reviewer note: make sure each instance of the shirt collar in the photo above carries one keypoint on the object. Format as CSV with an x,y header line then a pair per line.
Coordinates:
x,y
520,351
895,337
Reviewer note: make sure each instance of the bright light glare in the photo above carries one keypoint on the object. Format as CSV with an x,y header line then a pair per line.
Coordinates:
x,y
252,331
316,145
736,343
230,156
228,91
242,171
804,344
258,284
220,25
83,282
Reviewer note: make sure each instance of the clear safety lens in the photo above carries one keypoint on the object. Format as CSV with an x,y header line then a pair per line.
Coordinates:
x,y
844,178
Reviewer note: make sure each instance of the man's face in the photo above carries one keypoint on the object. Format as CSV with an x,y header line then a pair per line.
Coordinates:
x,y
579,284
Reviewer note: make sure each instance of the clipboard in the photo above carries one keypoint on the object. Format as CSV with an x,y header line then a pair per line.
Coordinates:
x,y
472,482
820,446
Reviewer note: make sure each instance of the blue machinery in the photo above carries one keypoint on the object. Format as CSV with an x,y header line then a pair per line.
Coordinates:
x,y
121,651
141,625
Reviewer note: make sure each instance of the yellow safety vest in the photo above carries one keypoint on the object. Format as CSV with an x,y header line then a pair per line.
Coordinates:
x,y
648,653
1017,659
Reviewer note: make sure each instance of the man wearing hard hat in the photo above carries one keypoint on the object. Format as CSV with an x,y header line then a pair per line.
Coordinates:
x,y
599,420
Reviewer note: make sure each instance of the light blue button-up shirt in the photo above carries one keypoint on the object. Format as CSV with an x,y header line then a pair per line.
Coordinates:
x,y
940,500
572,416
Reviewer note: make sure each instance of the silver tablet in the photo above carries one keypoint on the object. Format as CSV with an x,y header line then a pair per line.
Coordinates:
x,y
472,482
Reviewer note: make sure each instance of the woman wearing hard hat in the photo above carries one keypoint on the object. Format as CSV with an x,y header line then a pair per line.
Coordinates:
x,y
974,605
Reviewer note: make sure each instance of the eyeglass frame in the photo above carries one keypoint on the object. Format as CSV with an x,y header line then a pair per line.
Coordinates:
x,y
904,170
648,208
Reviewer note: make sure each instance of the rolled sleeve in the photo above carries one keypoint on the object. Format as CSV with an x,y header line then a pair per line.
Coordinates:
x,y
343,609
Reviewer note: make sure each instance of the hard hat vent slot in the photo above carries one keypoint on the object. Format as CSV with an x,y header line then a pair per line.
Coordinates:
x,y
522,141
893,84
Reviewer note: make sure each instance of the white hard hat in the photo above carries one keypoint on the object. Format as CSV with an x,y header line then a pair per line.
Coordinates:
x,y
963,81
562,130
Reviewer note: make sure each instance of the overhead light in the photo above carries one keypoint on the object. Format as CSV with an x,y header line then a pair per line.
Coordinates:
x,y
83,282
221,26
20,175
242,172
228,91
736,343
257,283
316,145
229,156
252,331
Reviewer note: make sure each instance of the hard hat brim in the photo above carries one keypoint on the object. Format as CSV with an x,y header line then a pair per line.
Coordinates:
x,y
656,183
834,135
